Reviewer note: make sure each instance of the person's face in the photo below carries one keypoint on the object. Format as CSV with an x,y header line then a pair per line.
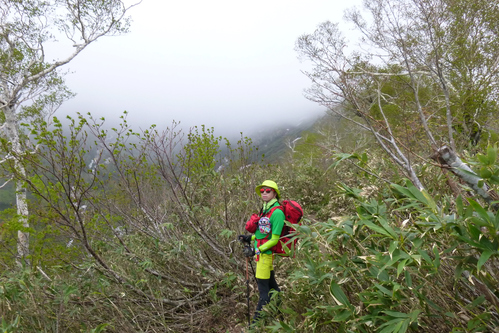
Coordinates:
x,y
267,193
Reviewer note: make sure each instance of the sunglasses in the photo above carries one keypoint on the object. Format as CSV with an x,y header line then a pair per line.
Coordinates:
x,y
266,190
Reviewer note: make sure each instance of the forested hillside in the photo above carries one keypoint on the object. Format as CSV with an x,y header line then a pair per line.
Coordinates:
x,y
274,142
127,230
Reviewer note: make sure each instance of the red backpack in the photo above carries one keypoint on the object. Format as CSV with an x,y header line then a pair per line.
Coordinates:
x,y
293,214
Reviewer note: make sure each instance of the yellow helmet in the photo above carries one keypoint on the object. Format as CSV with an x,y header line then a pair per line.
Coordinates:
x,y
271,184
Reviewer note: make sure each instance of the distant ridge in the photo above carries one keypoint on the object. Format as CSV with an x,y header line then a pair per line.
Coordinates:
x,y
272,142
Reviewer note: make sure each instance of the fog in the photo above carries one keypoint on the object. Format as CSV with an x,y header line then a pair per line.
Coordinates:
x,y
226,64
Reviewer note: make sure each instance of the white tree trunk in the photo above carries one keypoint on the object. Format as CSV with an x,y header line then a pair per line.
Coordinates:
x,y
22,211
448,157
12,134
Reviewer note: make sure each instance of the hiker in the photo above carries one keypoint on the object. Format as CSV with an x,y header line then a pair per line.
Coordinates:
x,y
268,225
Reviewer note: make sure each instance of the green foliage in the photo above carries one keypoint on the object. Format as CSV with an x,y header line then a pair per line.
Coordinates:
x,y
7,197
307,184
10,327
119,231
200,152
488,169
114,209
307,147
392,268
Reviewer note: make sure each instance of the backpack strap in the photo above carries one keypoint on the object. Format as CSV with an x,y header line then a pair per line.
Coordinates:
x,y
261,212
269,236
271,211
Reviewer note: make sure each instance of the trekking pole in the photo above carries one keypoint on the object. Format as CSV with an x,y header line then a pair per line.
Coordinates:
x,y
247,249
253,270
248,292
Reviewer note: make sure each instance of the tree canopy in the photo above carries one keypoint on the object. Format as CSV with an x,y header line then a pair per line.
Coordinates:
x,y
423,75
32,86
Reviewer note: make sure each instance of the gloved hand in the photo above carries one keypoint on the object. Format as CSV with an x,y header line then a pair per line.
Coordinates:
x,y
249,251
245,238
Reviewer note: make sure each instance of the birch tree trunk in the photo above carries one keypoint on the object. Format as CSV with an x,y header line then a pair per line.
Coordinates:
x,y
448,158
12,133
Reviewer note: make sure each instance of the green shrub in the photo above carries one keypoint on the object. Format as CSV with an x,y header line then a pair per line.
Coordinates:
x,y
398,265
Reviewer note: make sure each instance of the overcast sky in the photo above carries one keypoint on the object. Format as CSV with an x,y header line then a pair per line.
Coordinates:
x,y
228,64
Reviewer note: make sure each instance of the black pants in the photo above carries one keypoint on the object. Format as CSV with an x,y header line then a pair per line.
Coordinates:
x,y
264,288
